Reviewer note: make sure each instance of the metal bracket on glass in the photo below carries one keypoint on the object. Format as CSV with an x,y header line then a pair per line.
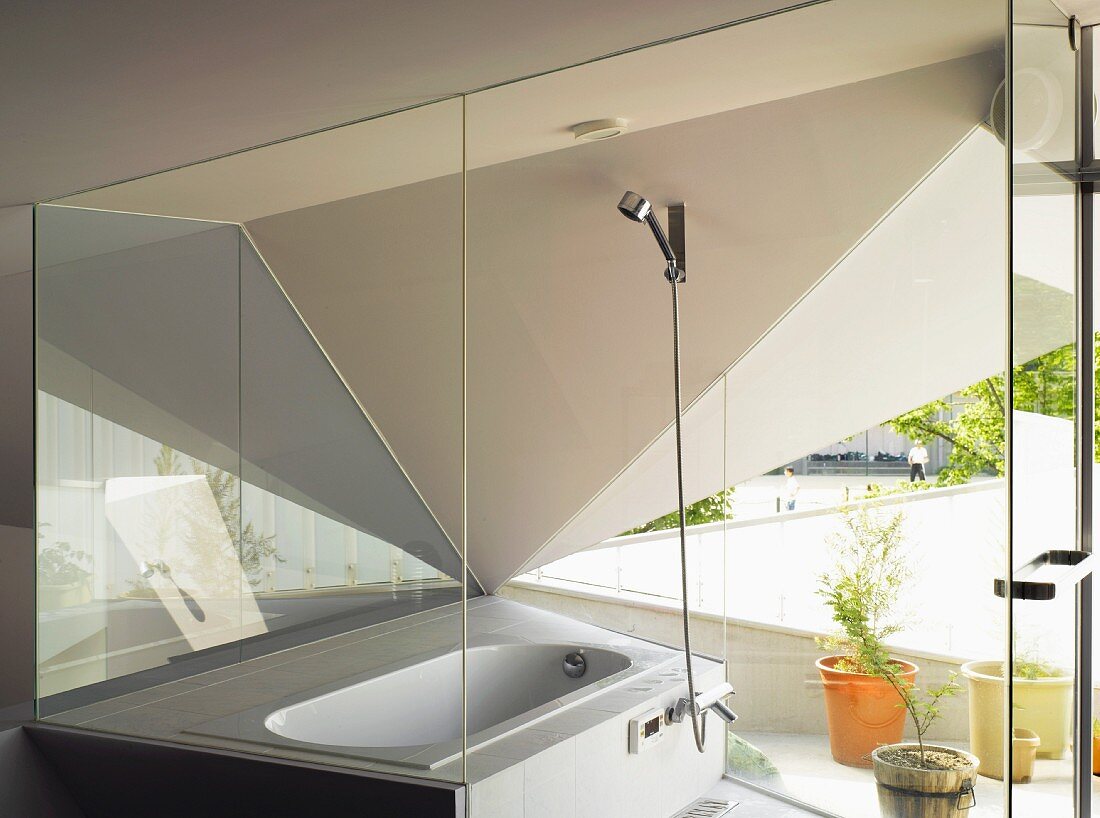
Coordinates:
x,y
1026,584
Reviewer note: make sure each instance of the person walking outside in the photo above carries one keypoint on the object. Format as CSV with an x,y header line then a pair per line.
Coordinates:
x,y
790,490
918,456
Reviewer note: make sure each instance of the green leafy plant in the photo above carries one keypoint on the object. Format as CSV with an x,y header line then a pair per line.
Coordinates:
x,y
1026,664
923,706
973,420
863,588
1096,728
712,509
875,490
863,591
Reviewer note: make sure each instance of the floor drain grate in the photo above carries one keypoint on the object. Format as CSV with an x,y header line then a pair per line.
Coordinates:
x,y
706,808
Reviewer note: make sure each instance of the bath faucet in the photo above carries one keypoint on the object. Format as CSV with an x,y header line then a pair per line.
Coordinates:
x,y
710,700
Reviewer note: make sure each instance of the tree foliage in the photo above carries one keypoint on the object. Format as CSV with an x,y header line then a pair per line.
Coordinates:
x,y
712,509
863,588
974,423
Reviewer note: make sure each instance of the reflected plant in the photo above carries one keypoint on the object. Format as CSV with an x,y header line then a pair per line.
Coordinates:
x,y
60,563
250,548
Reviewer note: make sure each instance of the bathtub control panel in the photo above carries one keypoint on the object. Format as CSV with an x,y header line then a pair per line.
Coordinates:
x,y
645,731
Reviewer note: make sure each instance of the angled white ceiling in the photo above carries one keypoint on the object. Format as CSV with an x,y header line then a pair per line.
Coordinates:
x,y
868,342
566,313
97,92
823,46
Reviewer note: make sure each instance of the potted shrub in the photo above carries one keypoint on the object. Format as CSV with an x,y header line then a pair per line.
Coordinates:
x,y
1042,696
63,580
863,709
922,780
1096,746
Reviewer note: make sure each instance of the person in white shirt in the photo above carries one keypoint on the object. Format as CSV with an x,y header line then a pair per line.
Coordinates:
x,y
790,491
918,456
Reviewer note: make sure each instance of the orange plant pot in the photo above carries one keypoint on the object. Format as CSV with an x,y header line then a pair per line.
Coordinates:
x,y
1095,755
863,712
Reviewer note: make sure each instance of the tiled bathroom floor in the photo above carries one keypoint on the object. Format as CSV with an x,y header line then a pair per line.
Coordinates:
x,y
754,804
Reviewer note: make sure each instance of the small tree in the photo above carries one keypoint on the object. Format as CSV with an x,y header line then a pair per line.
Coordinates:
x,y
863,588
863,592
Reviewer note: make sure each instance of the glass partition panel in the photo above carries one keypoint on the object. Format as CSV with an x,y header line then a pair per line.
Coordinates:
x,y
1043,469
842,332
138,496
259,426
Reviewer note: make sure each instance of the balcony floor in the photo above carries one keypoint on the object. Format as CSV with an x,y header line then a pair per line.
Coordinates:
x,y
809,774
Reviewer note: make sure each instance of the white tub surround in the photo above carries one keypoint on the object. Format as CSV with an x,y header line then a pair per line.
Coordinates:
x,y
408,713
540,745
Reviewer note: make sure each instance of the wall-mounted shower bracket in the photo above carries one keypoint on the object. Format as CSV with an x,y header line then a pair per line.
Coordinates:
x,y
677,239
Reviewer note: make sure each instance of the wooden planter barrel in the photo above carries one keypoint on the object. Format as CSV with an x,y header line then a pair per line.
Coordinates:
x,y
904,792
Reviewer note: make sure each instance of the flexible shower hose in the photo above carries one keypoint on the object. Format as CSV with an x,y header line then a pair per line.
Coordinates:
x,y
699,733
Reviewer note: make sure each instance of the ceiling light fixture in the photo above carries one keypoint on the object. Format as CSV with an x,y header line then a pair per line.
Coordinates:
x,y
599,129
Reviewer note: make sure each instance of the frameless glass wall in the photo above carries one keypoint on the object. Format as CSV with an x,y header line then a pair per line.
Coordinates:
x,y
846,292
250,447
138,359
269,414
1045,412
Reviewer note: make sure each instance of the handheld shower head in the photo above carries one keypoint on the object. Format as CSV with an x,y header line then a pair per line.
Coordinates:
x,y
634,207
638,209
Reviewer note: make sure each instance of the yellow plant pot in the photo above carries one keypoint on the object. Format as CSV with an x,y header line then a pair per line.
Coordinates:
x,y
1024,745
1043,706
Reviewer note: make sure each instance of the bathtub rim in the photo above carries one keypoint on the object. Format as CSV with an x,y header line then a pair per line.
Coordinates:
x,y
249,724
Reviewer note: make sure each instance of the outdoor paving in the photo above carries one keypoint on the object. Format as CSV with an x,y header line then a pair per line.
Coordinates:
x,y
808,773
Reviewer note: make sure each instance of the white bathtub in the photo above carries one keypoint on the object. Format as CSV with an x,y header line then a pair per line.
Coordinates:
x,y
414,714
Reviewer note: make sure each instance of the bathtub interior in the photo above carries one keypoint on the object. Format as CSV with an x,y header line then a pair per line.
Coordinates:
x,y
415,705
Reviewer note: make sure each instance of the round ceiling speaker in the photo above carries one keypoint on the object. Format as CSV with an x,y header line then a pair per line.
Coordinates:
x,y
599,129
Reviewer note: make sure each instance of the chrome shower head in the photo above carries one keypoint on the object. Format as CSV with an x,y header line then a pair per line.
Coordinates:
x,y
638,209
634,207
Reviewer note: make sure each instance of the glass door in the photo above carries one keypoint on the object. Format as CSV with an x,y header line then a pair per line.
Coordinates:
x,y
1049,442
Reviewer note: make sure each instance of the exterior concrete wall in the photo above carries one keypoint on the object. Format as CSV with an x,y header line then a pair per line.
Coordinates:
x,y
771,668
